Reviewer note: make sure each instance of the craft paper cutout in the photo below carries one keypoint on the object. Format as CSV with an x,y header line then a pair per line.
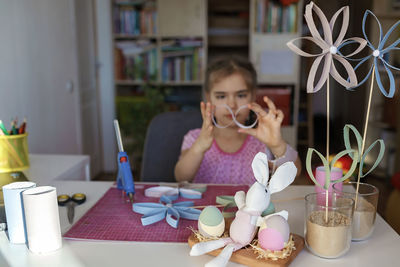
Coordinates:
x,y
328,166
248,217
225,106
361,157
172,192
172,212
329,48
229,202
377,53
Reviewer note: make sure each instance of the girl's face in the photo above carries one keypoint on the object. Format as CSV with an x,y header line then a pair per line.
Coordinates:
x,y
232,91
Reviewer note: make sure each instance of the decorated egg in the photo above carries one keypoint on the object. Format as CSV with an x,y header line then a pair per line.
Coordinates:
x,y
274,233
211,222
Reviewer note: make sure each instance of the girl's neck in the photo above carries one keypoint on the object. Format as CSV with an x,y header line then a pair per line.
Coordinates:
x,y
228,133
229,140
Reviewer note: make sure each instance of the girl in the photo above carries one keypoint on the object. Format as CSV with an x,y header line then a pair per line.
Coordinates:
x,y
221,151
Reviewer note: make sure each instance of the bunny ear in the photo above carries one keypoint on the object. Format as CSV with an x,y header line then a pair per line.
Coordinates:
x,y
282,177
260,168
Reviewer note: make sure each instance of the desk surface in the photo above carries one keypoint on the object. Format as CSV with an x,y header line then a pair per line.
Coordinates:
x,y
380,250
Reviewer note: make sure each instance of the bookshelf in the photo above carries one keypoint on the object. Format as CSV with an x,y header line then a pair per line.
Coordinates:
x,y
159,46
159,42
271,26
384,120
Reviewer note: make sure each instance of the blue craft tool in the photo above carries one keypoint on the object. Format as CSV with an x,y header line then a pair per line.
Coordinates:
x,y
124,177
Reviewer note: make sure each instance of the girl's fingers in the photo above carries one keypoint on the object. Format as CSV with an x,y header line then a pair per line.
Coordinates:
x,y
202,109
280,116
257,109
270,104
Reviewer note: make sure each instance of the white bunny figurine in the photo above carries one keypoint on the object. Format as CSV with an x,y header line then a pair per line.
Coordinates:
x,y
248,217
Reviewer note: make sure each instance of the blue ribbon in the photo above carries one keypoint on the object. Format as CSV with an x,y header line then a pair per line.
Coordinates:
x,y
380,53
172,212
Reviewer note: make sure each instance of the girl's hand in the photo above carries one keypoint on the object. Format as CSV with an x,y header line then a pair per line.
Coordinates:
x,y
268,130
206,137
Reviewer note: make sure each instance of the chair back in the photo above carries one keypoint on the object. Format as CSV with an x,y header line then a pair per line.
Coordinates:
x,y
163,143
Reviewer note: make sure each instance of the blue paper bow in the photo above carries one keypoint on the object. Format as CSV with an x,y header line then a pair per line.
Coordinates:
x,y
154,212
378,53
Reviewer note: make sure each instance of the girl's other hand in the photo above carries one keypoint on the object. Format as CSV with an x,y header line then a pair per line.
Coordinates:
x,y
268,130
206,137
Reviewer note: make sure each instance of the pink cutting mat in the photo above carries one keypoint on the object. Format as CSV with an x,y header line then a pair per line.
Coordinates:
x,y
112,218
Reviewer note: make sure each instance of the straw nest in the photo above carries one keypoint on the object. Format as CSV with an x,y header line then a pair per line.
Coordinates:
x,y
273,255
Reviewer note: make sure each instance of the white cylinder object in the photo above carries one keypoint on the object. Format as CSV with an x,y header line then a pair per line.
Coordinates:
x,y
14,210
42,219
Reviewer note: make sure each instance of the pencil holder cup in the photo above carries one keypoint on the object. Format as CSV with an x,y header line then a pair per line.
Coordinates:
x,y
14,153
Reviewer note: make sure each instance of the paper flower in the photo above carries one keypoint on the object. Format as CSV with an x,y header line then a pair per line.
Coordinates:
x,y
172,192
361,156
378,53
329,48
155,212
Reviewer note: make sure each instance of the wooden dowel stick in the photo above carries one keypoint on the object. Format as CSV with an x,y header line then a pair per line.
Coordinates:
x,y
365,131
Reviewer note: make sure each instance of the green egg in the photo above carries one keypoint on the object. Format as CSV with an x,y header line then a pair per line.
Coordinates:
x,y
211,216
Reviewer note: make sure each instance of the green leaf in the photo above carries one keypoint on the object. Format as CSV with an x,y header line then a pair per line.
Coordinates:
x,y
352,167
325,164
346,138
377,161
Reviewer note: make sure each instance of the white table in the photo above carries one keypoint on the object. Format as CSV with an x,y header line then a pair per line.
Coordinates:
x,y
380,250
45,168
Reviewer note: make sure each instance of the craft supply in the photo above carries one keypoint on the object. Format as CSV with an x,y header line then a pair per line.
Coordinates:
x,y
172,212
108,219
14,210
226,109
71,202
42,219
159,191
274,233
124,176
3,128
248,217
211,222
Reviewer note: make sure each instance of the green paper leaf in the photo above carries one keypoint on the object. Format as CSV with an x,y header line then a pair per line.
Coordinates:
x,y
352,167
377,161
346,138
325,164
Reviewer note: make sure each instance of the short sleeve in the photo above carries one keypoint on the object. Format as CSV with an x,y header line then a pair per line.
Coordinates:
x,y
190,138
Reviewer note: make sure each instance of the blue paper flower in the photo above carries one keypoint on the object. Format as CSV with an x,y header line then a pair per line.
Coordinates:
x,y
154,212
378,53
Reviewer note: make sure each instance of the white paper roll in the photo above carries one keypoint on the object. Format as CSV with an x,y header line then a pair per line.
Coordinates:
x,y
14,210
42,219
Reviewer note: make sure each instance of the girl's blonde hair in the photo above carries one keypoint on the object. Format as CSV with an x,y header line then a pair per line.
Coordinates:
x,y
226,66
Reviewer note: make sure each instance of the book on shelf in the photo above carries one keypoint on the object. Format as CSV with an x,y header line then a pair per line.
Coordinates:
x,y
136,60
181,60
281,98
273,17
135,17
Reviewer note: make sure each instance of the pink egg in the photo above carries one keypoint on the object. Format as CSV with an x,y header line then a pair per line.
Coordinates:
x,y
271,239
274,233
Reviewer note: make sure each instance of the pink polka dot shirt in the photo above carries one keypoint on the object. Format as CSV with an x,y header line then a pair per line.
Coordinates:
x,y
219,167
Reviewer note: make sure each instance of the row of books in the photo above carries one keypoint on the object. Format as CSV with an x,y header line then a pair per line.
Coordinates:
x,y
135,61
182,60
272,17
129,20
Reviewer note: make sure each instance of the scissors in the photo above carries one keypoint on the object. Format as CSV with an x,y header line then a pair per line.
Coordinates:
x,y
71,202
